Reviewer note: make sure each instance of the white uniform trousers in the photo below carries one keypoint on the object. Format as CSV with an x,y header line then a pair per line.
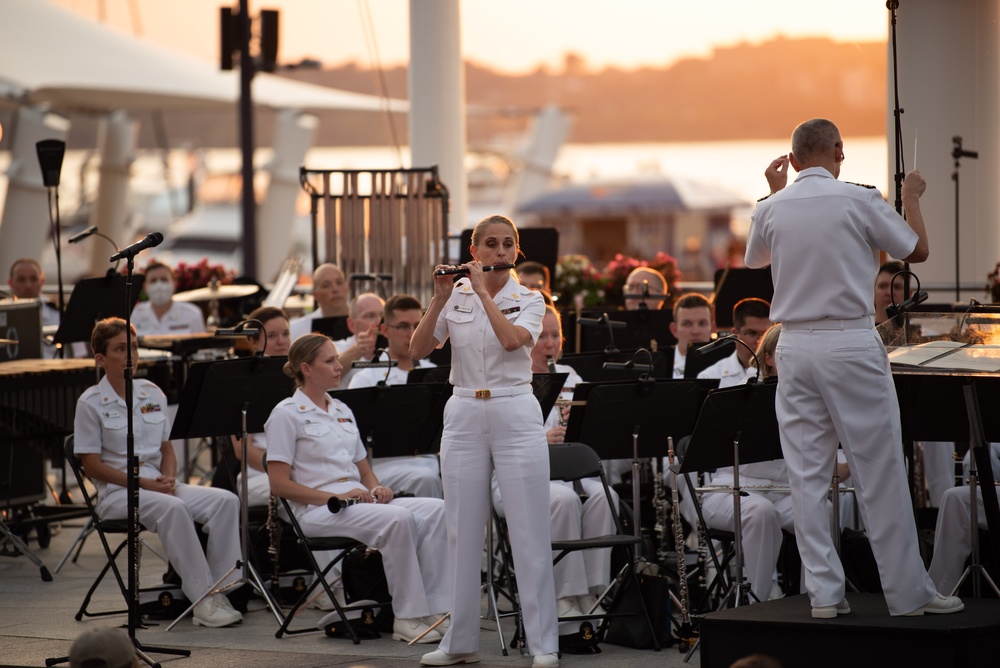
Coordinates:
x,y
409,534
579,572
504,433
763,515
953,536
939,468
173,517
420,476
258,490
837,385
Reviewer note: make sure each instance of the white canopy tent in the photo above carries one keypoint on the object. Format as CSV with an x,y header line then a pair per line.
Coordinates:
x,y
53,59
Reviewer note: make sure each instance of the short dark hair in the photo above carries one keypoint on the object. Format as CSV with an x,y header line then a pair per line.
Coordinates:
x,y
156,264
751,307
692,300
104,331
266,314
892,267
532,267
400,303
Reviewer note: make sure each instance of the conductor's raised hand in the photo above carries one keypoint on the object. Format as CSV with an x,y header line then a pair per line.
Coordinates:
x,y
777,173
914,185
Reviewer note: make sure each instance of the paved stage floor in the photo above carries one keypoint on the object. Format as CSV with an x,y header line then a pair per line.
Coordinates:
x,y
36,623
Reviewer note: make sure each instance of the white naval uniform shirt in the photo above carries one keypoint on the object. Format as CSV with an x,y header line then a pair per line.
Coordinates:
x,y
101,420
478,359
182,318
729,371
823,267
680,361
320,445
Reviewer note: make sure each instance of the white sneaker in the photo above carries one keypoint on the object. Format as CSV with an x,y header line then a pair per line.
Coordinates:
x,y
940,605
831,611
323,602
441,658
408,629
588,605
210,613
568,607
545,661
223,602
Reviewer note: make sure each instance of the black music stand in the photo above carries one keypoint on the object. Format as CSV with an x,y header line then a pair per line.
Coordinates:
x,y
389,416
546,387
732,285
232,397
696,361
94,299
591,368
640,328
736,426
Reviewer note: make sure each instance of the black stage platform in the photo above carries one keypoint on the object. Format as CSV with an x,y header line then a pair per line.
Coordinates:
x,y
868,636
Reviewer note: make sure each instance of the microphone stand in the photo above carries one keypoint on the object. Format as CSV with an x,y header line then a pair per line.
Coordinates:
x,y
132,474
897,112
958,153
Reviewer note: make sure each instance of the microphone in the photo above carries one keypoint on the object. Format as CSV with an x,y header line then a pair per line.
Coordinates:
x,y
237,332
80,236
718,343
335,504
50,159
959,152
376,361
465,270
152,239
645,368
603,321
892,310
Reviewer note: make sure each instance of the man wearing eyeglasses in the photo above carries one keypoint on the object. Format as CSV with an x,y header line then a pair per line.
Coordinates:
x,y
420,475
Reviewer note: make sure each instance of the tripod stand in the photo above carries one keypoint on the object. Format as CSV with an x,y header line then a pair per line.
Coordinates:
x,y
978,445
215,395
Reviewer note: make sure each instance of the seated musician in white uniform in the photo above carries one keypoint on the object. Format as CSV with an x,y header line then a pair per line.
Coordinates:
x,y
274,341
330,294
579,576
953,533
25,282
315,454
693,324
421,474
161,314
764,514
166,506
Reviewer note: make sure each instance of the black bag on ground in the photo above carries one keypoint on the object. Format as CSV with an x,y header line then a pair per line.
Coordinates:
x,y
364,579
630,630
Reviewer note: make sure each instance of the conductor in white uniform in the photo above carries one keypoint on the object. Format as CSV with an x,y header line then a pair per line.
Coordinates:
x,y
822,238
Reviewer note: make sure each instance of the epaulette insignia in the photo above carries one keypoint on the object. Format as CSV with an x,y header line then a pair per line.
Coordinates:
x,y
863,185
764,197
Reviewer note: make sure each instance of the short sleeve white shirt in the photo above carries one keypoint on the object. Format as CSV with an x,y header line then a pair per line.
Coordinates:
x,y
822,238
729,371
101,422
478,359
321,446
181,318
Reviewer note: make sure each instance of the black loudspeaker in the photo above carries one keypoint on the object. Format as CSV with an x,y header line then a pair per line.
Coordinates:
x,y
50,159
268,39
227,37
539,244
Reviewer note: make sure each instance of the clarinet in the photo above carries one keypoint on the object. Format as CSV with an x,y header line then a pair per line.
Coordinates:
x,y
685,631
274,531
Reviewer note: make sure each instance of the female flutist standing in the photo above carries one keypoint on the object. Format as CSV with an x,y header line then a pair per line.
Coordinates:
x,y
492,421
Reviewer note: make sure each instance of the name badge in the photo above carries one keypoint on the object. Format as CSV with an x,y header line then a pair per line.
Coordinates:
x,y
461,309
512,309
112,414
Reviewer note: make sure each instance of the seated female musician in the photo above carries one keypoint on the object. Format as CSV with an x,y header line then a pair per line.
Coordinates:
x,y
579,576
315,453
275,342
167,507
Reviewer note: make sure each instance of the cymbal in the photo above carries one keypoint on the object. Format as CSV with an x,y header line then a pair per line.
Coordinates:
x,y
220,292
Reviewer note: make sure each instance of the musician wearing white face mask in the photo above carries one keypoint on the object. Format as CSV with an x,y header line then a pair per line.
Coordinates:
x,y
161,314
